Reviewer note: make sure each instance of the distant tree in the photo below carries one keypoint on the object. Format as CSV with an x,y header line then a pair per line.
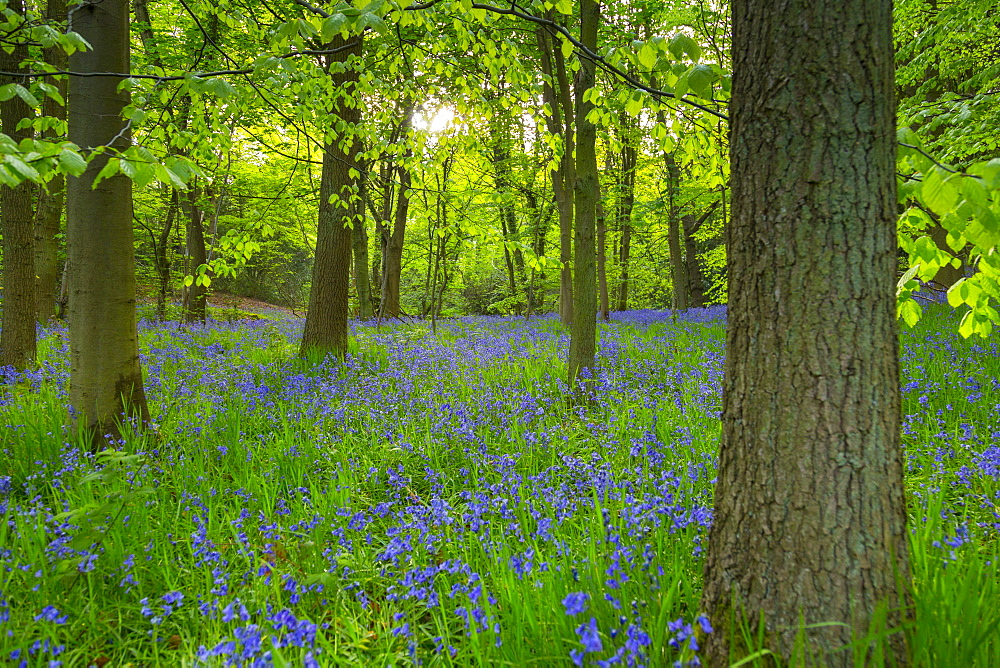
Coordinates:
x,y
17,336
105,375
51,197
810,519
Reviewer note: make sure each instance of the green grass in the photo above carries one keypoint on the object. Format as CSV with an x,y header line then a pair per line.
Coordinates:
x,y
433,480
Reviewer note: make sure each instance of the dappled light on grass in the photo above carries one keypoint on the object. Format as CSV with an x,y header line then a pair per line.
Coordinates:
x,y
434,499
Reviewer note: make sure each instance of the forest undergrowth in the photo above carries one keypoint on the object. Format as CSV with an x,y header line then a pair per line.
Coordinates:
x,y
436,500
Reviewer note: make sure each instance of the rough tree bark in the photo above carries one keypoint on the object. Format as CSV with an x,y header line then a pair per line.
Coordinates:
x,y
51,198
583,333
809,521
326,321
105,375
17,335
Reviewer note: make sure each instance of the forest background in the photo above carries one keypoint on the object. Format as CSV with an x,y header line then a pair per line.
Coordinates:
x,y
457,122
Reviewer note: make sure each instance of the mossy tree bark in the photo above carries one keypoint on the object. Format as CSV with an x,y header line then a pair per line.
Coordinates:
x,y
105,375
326,321
17,335
583,332
809,523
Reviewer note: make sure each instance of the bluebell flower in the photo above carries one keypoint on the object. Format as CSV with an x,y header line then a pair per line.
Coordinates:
x,y
575,603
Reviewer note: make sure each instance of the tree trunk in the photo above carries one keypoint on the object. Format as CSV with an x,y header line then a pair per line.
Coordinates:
x,y
583,333
161,258
677,270
394,243
359,237
51,198
326,321
105,375
810,520
695,282
17,334
556,93
602,274
196,295
629,156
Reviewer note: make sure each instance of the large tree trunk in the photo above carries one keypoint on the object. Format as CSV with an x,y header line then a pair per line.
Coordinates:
x,y
52,198
105,375
393,253
583,333
326,321
17,335
809,521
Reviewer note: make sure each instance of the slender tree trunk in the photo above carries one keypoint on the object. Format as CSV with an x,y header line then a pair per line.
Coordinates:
x,y
51,198
556,92
105,375
394,245
326,321
17,334
602,274
162,259
567,202
583,333
196,295
629,154
359,238
810,520
677,269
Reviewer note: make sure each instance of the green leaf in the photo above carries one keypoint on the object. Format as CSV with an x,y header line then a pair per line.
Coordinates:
x,y
26,95
910,312
21,167
910,273
699,80
634,104
647,56
567,48
681,44
939,192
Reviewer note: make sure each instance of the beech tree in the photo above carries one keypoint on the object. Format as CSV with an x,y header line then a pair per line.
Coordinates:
x,y
583,339
105,375
326,322
17,336
810,523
